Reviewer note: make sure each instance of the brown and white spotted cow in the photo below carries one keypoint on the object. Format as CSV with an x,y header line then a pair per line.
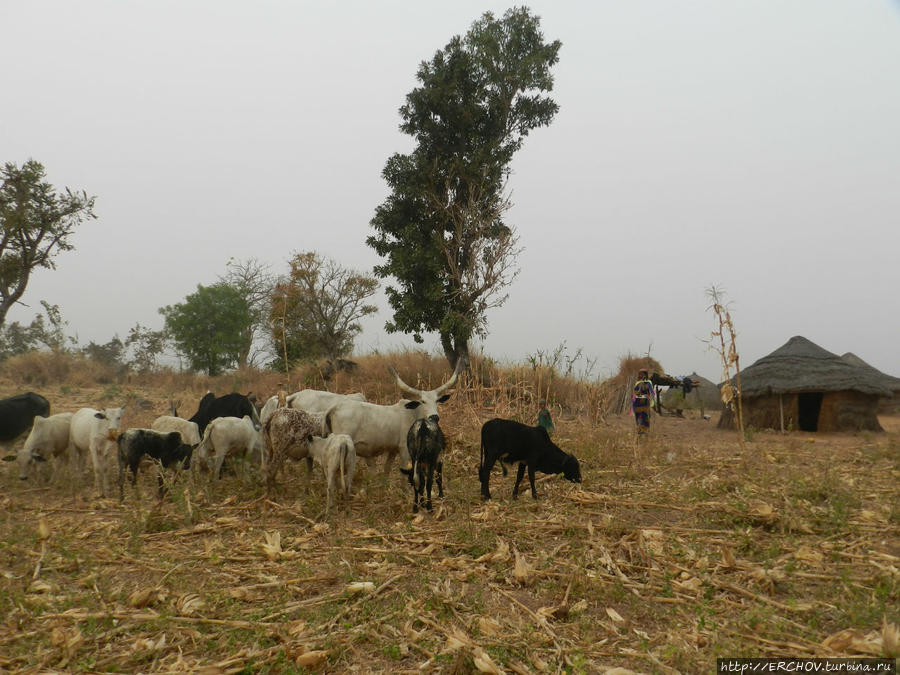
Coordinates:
x,y
287,433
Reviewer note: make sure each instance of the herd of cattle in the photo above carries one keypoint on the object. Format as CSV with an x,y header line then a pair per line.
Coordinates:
x,y
325,428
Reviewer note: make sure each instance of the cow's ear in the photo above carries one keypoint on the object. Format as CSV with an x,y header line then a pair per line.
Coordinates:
x,y
412,405
444,398
9,458
37,458
100,416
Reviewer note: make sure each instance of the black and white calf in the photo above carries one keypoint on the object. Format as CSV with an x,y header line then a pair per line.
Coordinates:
x,y
426,444
167,448
531,447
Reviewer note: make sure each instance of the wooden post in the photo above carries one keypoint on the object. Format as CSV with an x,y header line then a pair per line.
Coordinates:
x,y
781,410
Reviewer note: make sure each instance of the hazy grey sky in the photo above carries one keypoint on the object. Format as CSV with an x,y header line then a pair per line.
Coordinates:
x,y
751,145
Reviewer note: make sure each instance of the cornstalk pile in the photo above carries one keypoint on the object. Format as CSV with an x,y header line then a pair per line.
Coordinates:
x,y
618,389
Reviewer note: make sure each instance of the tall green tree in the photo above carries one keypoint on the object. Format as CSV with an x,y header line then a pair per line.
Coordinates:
x,y
315,311
35,225
441,231
208,327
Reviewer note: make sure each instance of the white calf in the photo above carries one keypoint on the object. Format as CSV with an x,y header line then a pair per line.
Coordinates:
x,y
190,432
48,439
335,454
226,436
95,432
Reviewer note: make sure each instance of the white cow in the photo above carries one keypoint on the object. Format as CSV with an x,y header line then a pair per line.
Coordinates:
x,y
48,439
308,400
190,432
226,436
377,429
95,432
336,455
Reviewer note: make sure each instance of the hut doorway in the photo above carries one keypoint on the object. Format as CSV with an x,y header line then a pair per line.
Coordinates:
x,y
808,407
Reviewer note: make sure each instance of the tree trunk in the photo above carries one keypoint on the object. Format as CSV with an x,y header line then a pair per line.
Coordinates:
x,y
11,297
455,349
4,308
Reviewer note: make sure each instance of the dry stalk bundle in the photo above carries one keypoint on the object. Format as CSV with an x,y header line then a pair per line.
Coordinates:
x,y
851,641
728,353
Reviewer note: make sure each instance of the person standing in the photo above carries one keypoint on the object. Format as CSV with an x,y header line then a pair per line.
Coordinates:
x,y
544,419
641,398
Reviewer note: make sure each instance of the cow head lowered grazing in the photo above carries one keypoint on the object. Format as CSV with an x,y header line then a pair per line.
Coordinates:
x,y
513,442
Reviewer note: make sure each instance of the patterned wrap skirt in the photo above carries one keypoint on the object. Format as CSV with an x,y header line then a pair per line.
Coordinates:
x,y
641,408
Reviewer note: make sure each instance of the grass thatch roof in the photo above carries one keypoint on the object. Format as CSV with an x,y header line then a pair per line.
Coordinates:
x,y
616,390
800,365
893,383
706,395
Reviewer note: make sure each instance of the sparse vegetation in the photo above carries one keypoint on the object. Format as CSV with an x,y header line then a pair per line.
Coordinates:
x,y
667,556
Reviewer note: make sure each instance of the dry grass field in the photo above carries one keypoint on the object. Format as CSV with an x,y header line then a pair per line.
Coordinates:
x,y
684,548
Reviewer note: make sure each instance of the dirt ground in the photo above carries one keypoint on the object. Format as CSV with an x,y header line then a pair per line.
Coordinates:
x,y
674,551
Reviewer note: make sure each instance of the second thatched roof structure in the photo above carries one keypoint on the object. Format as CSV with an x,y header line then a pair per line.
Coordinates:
x,y
705,396
801,365
893,383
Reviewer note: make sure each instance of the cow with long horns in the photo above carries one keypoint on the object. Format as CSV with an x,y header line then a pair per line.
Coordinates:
x,y
382,429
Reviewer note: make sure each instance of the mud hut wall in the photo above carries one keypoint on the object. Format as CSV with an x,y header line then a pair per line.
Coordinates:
x,y
849,411
763,412
840,411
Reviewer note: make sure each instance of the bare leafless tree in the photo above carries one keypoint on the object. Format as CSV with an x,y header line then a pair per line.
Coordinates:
x,y
255,282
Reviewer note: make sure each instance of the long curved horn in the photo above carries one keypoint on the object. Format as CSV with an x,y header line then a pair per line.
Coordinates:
x,y
449,383
403,386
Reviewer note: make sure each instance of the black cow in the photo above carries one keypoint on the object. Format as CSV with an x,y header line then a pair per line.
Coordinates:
x,y
531,447
229,405
165,447
17,414
425,442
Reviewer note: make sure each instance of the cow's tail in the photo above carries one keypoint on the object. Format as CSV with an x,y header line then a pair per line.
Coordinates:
x,y
481,459
203,448
328,420
344,452
267,444
254,416
120,455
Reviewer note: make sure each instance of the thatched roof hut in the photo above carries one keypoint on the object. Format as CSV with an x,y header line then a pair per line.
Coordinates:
x,y
893,383
887,406
705,396
802,386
